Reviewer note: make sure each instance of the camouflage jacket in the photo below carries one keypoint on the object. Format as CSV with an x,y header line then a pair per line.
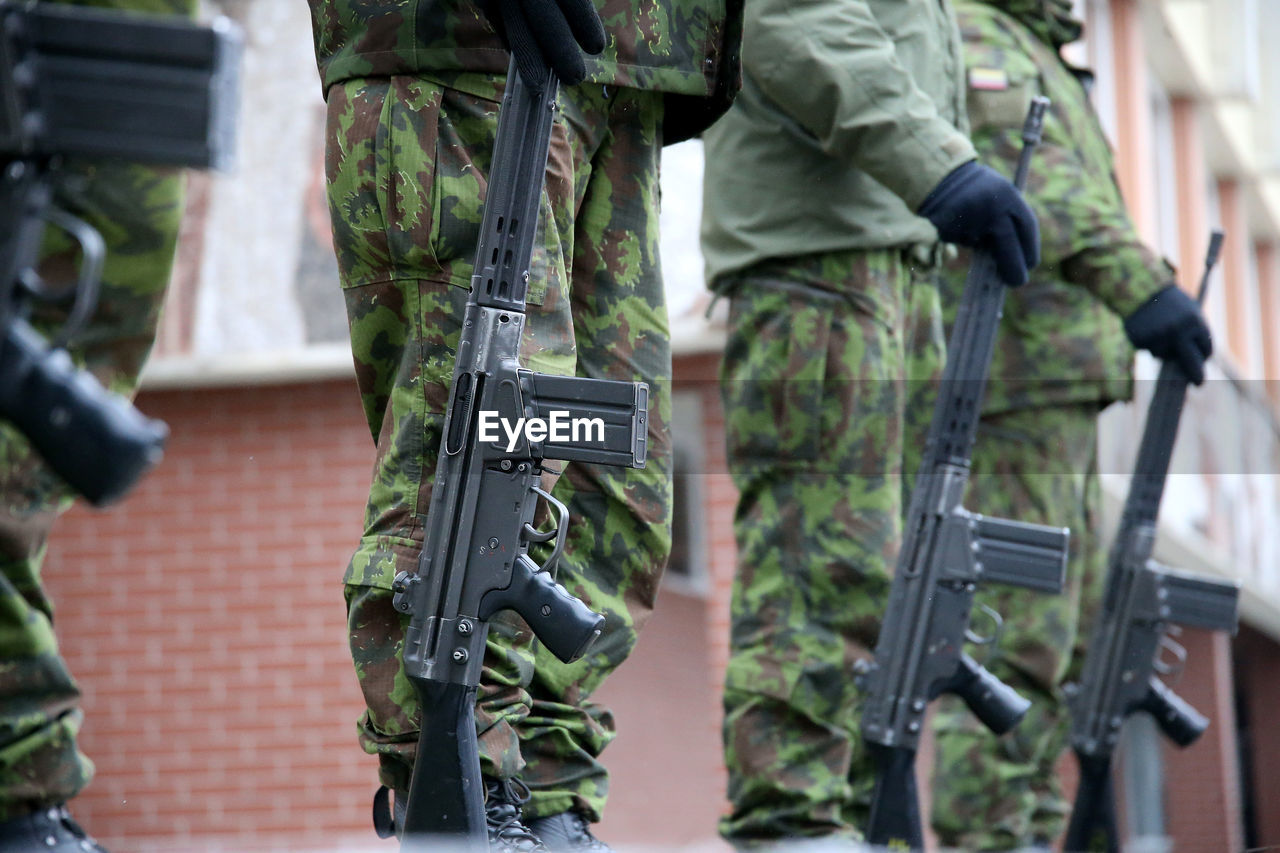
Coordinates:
x,y
1061,341
851,112
688,49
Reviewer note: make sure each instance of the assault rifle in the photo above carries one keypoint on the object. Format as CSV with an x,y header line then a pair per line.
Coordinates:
x,y
1141,600
79,82
475,558
947,551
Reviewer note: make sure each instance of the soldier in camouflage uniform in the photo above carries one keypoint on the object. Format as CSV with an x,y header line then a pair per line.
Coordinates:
x,y
1062,356
137,211
828,185
412,88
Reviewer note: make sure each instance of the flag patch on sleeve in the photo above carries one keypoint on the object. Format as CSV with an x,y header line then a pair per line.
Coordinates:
x,y
988,78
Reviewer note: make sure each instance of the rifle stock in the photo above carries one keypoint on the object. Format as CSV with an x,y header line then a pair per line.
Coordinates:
x,y
1093,817
895,804
450,781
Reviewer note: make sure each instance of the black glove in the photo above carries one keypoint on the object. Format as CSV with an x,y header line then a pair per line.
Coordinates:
x,y
976,207
541,33
1170,326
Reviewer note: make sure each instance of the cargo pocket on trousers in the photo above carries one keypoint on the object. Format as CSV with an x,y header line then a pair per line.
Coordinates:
x,y
772,375
412,126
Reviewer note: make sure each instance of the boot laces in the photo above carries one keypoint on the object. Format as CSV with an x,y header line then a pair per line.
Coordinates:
x,y
503,800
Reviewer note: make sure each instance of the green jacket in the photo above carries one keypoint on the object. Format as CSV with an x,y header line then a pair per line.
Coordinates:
x,y
847,119
1061,340
688,49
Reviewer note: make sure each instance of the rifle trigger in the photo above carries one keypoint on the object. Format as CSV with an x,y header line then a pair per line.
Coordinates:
x,y
533,534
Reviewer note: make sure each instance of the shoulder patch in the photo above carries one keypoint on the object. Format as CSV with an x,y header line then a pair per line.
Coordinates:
x,y
991,79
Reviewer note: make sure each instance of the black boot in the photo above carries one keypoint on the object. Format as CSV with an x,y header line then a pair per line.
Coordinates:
x,y
50,829
567,832
502,802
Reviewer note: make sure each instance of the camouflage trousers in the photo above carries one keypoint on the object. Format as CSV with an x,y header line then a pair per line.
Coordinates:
x,y
137,210
827,384
407,160
1036,465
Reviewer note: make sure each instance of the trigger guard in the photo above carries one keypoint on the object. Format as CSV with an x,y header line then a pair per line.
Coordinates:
x,y
994,639
1179,652
85,291
561,532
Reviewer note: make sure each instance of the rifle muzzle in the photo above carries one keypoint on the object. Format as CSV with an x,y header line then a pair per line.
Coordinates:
x,y
95,440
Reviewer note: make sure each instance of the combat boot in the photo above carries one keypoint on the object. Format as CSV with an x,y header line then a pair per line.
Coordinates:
x,y
50,829
567,832
502,802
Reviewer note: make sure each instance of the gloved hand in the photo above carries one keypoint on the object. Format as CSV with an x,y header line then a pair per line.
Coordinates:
x,y
975,206
1171,327
547,32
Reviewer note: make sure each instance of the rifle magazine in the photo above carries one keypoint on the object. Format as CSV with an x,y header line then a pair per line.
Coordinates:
x,y
604,421
1018,553
1195,600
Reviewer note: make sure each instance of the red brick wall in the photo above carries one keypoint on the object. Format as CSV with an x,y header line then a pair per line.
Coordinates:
x,y
1203,780
664,786
204,620
699,375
